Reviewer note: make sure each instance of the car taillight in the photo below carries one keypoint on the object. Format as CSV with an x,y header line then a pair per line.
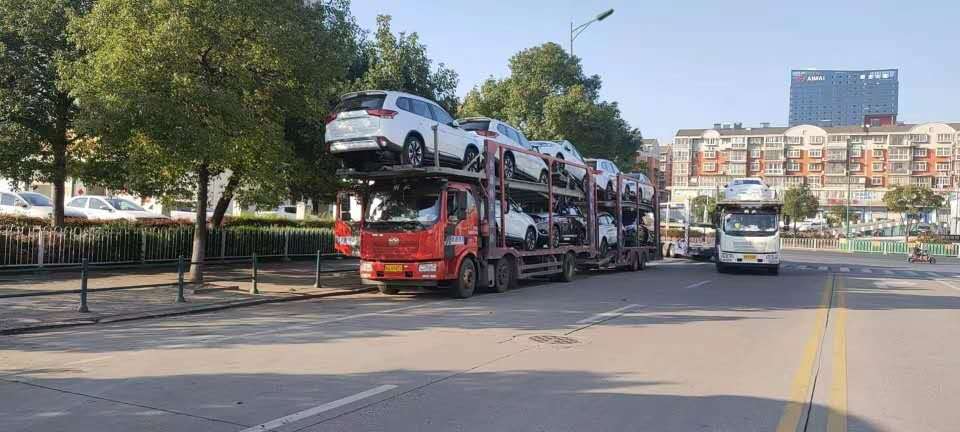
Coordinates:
x,y
330,117
382,113
486,133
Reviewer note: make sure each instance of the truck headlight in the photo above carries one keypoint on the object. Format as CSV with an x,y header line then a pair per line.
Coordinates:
x,y
366,267
428,268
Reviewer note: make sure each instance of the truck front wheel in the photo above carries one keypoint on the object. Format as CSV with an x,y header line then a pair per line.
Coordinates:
x,y
721,267
466,281
774,270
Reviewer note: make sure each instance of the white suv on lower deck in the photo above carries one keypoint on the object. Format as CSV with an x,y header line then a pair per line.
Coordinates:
x,y
373,128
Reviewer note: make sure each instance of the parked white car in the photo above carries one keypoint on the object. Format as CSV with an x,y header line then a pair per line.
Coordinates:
x,y
516,165
110,208
521,228
31,204
606,180
645,186
563,150
373,128
282,212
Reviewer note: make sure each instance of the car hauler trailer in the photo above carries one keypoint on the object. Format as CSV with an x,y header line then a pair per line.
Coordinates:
x,y
748,227
443,228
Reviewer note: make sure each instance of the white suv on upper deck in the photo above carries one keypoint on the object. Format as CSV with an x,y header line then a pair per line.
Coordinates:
x,y
372,128
517,165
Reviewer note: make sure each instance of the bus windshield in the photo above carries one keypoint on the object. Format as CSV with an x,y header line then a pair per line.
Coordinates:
x,y
750,224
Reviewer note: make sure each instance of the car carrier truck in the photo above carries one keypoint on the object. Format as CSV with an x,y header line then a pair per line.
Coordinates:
x,y
433,227
748,227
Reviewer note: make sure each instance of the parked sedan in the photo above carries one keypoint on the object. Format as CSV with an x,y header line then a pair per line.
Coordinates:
x,y
373,128
31,204
516,165
606,180
569,226
110,208
566,151
521,227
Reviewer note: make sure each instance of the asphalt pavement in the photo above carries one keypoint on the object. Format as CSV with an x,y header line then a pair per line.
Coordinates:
x,y
825,345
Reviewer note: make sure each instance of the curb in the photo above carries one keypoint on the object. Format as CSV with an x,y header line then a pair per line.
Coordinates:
x,y
170,313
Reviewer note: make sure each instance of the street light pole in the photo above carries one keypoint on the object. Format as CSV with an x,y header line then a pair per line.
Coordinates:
x,y
575,31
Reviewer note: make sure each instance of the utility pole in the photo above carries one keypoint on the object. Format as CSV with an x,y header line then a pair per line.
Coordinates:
x,y
575,31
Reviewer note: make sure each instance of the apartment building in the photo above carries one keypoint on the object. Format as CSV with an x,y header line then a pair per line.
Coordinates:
x,y
871,159
664,171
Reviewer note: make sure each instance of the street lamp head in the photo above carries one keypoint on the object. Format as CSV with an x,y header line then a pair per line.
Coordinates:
x,y
605,14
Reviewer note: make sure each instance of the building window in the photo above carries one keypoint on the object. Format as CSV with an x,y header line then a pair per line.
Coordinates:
x,y
919,138
943,166
856,167
876,181
878,166
793,153
815,167
944,151
793,166
756,153
816,140
710,166
945,138
877,154
856,152
814,181
815,153
879,139
794,140
943,182
755,166
838,138
919,152
709,154
737,156
774,139
920,166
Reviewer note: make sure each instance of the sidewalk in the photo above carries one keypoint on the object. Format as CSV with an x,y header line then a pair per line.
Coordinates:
x,y
277,281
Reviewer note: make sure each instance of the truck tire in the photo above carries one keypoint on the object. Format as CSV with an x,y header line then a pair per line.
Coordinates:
x,y
567,269
722,268
387,290
466,282
503,274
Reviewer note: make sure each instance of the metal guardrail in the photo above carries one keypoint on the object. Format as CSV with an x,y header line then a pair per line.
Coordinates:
x,y
884,247
41,246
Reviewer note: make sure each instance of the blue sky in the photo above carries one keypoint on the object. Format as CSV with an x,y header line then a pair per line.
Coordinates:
x,y
689,64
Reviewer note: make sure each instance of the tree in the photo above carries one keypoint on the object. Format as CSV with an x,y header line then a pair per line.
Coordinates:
x,y
37,141
800,203
182,90
703,208
548,96
911,201
836,216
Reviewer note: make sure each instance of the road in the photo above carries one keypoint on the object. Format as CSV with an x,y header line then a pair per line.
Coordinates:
x,y
833,343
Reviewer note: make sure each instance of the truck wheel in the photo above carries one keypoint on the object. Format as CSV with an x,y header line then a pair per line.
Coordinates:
x,y
502,275
556,237
509,167
643,261
466,281
543,177
413,151
567,269
721,268
388,290
774,270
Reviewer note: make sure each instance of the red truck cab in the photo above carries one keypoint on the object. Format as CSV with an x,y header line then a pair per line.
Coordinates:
x,y
422,233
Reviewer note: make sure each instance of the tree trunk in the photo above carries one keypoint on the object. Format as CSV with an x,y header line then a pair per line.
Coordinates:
x,y
228,192
59,174
200,226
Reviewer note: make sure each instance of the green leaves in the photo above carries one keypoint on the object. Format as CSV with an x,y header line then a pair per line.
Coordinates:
x,y
548,96
912,199
800,203
703,205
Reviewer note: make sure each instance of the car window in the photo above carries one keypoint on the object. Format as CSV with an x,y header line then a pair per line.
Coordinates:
x,y
440,115
475,125
522,139
361,102
36,199
77,202
421,108
290,210
97,204
512,134
503,130
403,103
6,199
124,205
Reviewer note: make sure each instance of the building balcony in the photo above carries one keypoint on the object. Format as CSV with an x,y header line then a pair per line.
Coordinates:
x,y
899,157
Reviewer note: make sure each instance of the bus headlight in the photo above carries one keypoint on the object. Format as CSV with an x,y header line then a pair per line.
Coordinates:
x,y
427,268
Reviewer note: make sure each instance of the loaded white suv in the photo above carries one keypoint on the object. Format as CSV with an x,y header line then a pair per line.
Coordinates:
x,y
373,128
606,179
566,151
516,165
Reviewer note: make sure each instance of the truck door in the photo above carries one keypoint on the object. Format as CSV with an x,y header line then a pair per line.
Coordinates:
x,y
346,228
462,227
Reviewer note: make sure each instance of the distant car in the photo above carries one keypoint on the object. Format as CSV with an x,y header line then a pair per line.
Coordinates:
x,y
606,180
516,165
521,228
31,204
647,190
282,212
569,226
110,208
563,150
369,129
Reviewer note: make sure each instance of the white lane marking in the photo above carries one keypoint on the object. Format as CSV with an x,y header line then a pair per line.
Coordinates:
x,y
283,421
823,268
803,267
701,283
888,272
934,274
866,270
845,269
909,273
604,315
95,359
948,285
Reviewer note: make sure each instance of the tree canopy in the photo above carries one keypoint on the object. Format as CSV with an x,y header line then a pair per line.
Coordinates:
x,y
548,96
911,200
800,203
703,205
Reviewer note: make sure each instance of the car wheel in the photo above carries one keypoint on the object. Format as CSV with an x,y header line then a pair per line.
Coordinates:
x,y
933,260
530,239
509,167
543,177
556,237
468,156
604,247
466,281
413,151
503,274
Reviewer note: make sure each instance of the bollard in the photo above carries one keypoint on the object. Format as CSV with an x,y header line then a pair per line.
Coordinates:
x,y
180,267
316,281
253,286
83,288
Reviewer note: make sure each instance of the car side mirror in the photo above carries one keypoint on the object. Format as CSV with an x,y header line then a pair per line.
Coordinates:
x,y
455,124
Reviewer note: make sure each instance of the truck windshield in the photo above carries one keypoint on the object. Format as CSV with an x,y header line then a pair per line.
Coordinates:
x,y
408,208
750,224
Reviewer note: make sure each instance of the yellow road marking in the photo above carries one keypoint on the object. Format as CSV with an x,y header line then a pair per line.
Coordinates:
x,y
803,377
837,417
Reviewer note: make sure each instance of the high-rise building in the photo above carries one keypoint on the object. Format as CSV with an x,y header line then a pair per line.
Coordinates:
x,y
830,98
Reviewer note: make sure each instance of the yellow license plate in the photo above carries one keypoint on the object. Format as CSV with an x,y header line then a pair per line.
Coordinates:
x,y
393,268
749,257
